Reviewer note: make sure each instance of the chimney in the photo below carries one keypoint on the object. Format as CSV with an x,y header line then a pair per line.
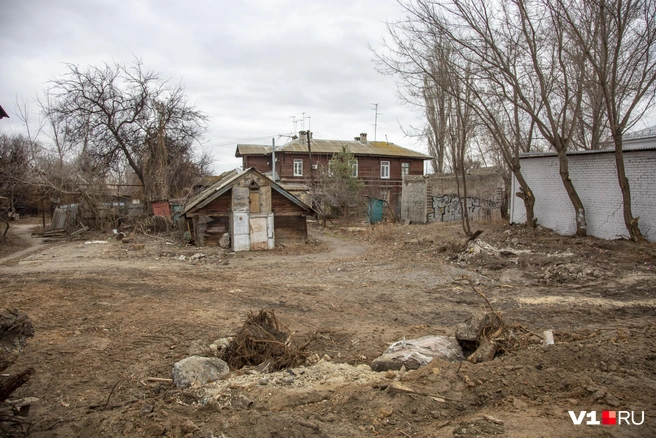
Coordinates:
x,y
356,138
363,137
301,137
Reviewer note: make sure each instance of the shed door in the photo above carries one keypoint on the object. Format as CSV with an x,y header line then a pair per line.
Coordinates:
x,y
259,234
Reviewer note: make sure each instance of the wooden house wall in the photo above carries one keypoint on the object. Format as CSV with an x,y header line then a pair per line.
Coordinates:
x,y
261,162
388,189
368,166
290,228
213,220
289,221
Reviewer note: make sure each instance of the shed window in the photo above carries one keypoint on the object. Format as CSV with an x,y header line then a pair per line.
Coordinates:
x,y
298,167
385,169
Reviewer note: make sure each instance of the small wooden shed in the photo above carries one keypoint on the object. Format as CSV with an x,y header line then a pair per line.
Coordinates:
x,y
252,208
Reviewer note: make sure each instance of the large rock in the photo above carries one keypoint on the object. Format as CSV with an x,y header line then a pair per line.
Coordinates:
x,y
198,369
416,353
224,241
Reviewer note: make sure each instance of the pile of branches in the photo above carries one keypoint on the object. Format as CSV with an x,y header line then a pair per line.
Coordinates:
x,y
155,224
264,341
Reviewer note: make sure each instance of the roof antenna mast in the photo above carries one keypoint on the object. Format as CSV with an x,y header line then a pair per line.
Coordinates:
x,y
293,124
375,118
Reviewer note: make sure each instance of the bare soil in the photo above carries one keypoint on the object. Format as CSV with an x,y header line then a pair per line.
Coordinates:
x,y
108,316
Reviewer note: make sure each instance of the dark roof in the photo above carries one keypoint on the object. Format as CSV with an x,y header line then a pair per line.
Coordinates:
x,y
223,185
3,113
371,148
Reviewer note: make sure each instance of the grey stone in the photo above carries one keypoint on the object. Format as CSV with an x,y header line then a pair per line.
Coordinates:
x,y
198,369
242,402
146,409
415,353
224,242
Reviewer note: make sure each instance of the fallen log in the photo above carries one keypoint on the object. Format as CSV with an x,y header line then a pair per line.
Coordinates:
x,y
15,328
14,382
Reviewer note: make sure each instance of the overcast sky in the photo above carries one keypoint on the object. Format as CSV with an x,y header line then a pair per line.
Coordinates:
x,y
249,65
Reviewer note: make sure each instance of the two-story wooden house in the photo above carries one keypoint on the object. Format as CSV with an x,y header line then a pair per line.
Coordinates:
x,y
380,164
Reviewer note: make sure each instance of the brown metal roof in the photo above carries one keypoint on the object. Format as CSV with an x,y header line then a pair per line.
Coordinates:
x,y
252,149
377,148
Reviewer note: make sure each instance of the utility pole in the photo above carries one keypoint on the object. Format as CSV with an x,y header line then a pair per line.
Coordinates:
x,y
313,193
273,159
309,140
375,119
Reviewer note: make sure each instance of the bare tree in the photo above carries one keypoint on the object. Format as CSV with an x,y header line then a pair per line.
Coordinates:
x,y
436,103
461,130
429,53
339,186
549,67
15,163
115,113
618,38
512,130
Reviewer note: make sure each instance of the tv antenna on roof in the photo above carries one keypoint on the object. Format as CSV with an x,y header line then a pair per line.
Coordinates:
x,y
294,122
375,118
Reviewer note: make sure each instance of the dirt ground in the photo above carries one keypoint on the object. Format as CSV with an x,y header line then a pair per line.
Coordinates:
x,y
109,316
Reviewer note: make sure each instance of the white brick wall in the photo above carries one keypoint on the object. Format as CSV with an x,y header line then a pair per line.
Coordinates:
x,y
595,179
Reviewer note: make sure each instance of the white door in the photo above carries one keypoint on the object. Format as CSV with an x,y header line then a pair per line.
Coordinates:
x,y
240,232
259,234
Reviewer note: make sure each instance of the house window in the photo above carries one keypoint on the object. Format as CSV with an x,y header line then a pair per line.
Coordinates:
x,y
405,169
385,169
298,167
354,168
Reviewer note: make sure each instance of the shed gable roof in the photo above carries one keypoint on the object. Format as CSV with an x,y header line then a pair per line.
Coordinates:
x,y
223,185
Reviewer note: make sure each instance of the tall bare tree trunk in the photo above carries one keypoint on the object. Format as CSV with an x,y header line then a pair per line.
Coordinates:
x,y
631,222
579,210
526,195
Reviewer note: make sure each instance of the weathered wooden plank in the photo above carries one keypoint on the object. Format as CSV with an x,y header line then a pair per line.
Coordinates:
x,y
265,199
240,199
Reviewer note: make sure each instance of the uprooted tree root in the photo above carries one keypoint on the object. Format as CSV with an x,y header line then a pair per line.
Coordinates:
x,y
496,336
263,339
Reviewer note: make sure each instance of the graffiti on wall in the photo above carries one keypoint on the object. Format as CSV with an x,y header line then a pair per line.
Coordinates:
x,y
448,208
